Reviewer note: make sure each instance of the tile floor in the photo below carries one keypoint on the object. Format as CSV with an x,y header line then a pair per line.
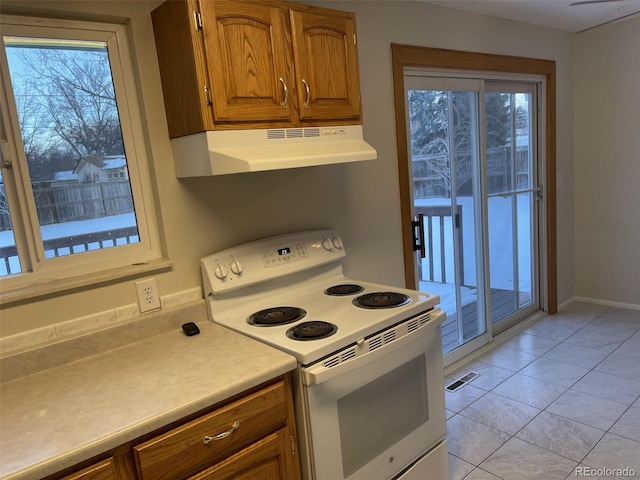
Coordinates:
x,y
559,400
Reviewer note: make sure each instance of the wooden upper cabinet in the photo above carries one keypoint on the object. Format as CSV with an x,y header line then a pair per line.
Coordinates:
x,y
246,59
237,64
183,70
326,64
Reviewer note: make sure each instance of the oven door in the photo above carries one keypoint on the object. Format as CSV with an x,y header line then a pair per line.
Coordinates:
x,y
372,414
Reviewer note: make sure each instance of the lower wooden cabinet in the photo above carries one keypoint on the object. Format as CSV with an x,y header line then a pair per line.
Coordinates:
x,y
269,458
214,437
100,471
253,436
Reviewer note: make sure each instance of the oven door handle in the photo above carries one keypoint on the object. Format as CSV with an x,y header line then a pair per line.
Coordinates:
x,y
319,373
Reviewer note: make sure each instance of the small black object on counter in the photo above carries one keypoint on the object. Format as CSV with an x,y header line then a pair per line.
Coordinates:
x,y
190,329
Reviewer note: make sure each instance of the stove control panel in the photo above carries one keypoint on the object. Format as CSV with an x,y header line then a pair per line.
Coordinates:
x,y
281,255
269,258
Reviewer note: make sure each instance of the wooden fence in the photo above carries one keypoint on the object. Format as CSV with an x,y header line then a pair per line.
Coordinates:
x,y
432,178
61,203
69,202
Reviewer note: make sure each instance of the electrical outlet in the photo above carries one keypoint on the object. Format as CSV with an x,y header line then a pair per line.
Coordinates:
x,y
148,298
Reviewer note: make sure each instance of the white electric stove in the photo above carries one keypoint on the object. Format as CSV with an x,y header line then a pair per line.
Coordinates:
x,y
360,346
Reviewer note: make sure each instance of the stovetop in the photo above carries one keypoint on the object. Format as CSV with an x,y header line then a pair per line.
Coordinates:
x,y
314,284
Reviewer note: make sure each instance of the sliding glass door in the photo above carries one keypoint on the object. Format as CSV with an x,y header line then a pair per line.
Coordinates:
x,y
512,196
474,197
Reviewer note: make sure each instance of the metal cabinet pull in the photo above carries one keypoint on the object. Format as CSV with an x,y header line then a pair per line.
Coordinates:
x,y
285,104
306,86
207,439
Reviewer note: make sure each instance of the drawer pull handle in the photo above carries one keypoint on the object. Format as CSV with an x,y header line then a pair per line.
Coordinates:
x,y
207,439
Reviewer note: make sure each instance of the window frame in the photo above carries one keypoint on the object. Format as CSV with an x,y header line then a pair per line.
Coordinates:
x,y
41,275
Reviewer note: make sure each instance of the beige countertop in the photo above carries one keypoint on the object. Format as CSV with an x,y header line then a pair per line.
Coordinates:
x,y
58,417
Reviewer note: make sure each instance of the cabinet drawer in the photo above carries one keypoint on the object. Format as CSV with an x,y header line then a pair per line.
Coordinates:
x,y
212,437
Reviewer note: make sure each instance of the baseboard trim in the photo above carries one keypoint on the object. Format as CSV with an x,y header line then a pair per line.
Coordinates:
x,y
608,303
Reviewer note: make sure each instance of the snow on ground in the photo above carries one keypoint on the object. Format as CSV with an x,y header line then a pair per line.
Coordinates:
x,y
500,242
68,229
501,235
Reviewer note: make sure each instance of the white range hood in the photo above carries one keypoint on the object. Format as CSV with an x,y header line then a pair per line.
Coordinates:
x,y
223,152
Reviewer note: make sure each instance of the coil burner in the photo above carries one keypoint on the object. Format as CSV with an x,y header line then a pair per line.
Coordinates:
x,y
381,300
313,330
276,316
344,289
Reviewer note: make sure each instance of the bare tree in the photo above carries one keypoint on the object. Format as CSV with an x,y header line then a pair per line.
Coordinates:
x,y
67,103
442,132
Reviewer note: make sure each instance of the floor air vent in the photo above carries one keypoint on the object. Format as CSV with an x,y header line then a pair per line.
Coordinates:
x,y
462,381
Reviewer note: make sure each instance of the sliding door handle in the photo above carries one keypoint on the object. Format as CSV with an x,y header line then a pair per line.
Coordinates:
x,y
418,235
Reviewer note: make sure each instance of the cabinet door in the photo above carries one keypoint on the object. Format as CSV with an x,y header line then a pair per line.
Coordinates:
x,y
326,63
246,60
100,471
269,459
183,70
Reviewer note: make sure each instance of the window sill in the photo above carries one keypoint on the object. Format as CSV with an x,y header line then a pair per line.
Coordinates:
x,y
61,286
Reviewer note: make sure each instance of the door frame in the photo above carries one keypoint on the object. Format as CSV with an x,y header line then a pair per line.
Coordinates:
x,y
416,56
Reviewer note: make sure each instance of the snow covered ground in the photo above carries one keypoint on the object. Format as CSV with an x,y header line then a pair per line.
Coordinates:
x,y
64,230
502,233
68,229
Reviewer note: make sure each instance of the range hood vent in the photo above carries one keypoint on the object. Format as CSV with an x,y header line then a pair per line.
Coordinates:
x,y
222,152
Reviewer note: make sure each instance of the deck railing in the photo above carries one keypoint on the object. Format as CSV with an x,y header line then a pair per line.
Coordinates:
x,y
57,247
434,229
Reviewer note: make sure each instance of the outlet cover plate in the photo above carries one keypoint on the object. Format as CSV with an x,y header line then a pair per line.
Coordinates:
x,y
148,298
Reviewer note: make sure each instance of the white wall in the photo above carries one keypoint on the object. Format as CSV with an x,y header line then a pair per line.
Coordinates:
x,y
360,200
607,162
381,23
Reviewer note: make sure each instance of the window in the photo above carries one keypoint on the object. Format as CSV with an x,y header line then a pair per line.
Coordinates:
x,y
75,193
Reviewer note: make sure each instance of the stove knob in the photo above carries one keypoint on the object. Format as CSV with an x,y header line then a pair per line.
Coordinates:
x,y
237,267
327,244
221,271
337,242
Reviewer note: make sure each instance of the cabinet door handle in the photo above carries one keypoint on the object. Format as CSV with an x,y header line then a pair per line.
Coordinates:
x,y
207,439
285,104
306,86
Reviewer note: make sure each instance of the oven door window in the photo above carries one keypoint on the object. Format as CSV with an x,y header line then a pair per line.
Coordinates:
x,y
379,414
